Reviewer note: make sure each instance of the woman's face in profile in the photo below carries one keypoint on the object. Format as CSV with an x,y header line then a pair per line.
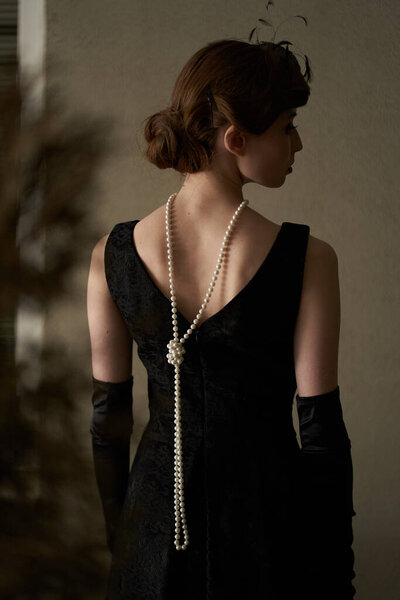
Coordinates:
x,y
268,156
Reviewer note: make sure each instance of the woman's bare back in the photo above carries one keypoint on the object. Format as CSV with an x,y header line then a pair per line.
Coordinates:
x,y
196,246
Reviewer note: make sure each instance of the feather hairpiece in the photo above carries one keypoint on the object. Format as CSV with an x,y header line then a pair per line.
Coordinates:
x,y
267,44
264,45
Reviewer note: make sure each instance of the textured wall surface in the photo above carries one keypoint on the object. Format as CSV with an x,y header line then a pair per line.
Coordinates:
x,y
121,58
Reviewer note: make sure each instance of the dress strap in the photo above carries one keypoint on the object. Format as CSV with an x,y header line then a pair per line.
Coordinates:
x,y
293,253
116,264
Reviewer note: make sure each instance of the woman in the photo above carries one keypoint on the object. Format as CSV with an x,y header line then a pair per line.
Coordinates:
x,y
220,501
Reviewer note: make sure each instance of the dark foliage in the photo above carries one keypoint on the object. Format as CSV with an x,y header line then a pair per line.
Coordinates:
x,y
52,539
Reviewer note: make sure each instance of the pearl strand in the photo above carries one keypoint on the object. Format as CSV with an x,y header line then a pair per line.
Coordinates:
x,y
175,357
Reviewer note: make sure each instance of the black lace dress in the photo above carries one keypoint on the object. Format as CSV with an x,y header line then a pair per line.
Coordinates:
x,y
240,451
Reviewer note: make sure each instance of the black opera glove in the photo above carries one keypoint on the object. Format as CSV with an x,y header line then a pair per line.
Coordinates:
x,y
326,472
111,429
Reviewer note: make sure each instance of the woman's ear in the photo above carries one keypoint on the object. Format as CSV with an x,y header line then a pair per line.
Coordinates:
x,y
234,140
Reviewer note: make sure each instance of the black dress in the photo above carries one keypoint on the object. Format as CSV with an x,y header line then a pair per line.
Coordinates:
x,y
240,450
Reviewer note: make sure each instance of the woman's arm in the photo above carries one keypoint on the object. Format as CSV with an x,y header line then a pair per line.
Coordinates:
x,y
325,503
316,337
112,419
110,341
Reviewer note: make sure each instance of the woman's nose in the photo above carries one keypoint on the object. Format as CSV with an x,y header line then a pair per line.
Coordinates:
x,y
298,144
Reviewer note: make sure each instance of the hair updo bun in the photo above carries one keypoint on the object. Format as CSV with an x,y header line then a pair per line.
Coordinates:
x,y
175,142
227,81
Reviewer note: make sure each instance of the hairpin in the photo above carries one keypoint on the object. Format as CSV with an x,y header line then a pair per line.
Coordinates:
x,y
211,102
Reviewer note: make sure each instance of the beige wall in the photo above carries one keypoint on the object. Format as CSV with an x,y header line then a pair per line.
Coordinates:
x,y
120,58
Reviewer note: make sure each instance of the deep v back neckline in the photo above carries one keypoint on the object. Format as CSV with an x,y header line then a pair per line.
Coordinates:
x,y
231,302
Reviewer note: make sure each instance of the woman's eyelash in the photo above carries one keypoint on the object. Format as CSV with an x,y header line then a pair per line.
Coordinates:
x,y
289,127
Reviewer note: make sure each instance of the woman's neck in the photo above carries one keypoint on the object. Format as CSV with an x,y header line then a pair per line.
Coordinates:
x,y
207,193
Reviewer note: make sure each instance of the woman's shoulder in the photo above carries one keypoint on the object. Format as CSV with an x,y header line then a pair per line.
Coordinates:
x,y
98,248
320,250
321,268
317,248
117,233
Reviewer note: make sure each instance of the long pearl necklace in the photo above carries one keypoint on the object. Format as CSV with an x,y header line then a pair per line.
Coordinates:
x,y
175,357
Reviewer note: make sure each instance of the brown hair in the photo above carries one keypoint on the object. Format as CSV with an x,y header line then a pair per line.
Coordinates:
x,y
226,81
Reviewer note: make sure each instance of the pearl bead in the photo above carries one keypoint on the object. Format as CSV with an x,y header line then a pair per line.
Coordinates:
x,y
175,357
